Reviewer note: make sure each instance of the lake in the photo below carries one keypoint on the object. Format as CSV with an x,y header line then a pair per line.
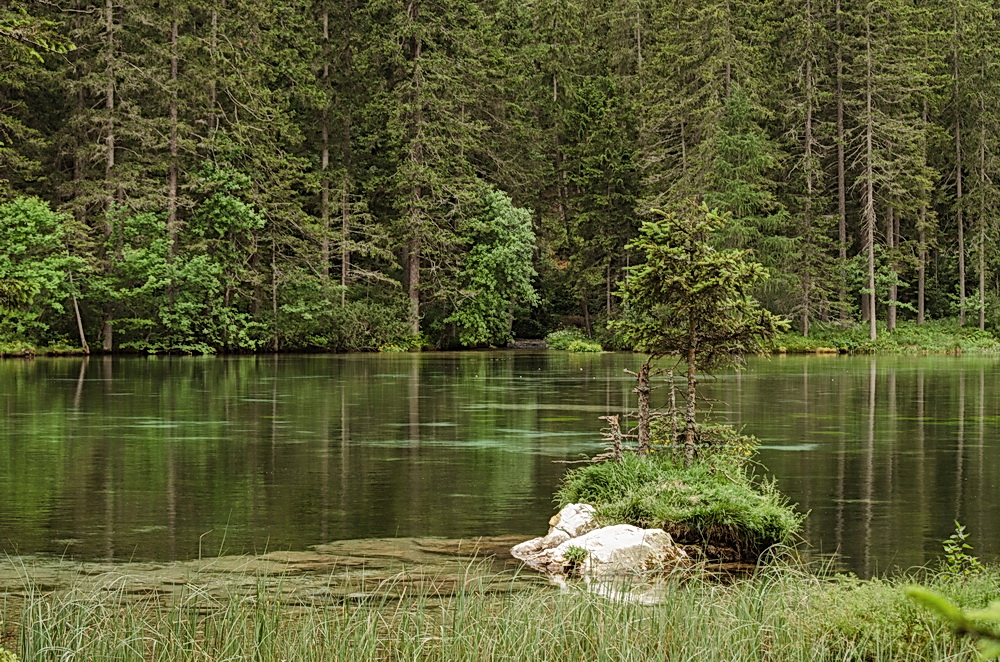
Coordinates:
x,y
167,458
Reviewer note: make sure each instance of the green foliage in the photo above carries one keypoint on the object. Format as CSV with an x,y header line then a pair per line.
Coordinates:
x,y
311,316
562,338
34,270
688,295
571,340
583,346
981,624
908,337
497,274
7,656
712,502
957,559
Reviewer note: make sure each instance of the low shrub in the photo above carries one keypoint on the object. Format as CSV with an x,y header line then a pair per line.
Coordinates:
x,y
584,346
572,340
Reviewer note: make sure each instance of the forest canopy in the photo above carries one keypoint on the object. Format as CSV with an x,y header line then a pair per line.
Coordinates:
x,y
195,176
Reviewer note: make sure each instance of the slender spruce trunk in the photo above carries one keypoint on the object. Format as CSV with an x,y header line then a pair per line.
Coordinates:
x,y
172,223
959,211
690,428
324,157
346,154
107,328
922,241
642,391
413,247
807,212
841,174
891,236
869,179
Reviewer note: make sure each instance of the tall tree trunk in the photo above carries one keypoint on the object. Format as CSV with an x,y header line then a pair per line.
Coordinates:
x,y
959,212
213,83
107,330
416,157
275,345
841,175
869,179
324,157
890,237
981,223
79,318
172,224
807,212
346,154
922,242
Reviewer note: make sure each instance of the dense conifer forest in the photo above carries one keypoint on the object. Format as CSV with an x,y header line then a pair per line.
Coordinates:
x,y
240,175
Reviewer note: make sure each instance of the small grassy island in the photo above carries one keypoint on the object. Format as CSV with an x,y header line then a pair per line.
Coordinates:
x,y
713,506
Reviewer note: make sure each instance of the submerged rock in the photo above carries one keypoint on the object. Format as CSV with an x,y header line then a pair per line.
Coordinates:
x,y
574,544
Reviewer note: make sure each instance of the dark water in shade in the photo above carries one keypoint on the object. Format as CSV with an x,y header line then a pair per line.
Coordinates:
x,y
172,458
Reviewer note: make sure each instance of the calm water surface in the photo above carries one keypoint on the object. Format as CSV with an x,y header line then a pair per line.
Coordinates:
x,y
172,458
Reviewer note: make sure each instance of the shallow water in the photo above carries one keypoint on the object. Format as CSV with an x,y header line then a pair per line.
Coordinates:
x,y
160,459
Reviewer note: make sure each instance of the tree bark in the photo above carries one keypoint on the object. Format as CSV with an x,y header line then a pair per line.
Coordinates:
x,y
172,225
922,244
959,215
107,330
416,157
890,237
690,428
642,391
324,156
841,175
869,179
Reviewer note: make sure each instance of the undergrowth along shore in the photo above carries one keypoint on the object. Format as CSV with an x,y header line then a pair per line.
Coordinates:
x,y
784,612
938,336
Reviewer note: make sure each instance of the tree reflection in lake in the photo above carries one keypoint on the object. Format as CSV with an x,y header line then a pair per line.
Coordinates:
x,y
165,458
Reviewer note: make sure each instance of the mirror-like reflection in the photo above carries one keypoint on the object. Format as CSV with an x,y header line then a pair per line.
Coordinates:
x,y
175,458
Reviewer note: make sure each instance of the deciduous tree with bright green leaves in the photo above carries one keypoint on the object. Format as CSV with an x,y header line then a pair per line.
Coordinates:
x,y
497,273
35,268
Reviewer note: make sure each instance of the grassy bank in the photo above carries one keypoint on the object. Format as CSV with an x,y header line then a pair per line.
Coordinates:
x,y
18,349
938,336
782,613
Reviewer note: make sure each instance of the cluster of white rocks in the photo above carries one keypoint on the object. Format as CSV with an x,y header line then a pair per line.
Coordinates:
x,y
597,552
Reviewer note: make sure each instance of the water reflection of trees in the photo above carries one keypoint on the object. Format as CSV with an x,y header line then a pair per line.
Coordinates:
x,y
145,457
892,462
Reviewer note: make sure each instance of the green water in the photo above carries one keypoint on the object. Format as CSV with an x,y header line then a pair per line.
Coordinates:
x,y
175,458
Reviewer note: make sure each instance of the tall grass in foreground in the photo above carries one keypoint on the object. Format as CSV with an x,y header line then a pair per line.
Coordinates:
x,y
782,613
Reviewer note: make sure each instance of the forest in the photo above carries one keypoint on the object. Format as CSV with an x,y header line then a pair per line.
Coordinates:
x,y
241,175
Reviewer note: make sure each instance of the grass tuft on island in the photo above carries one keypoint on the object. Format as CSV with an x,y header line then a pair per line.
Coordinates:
x,y
938,336
783,613
716,504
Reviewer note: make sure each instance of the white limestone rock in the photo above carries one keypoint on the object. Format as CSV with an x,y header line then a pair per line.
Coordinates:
x,y
621,549
611,550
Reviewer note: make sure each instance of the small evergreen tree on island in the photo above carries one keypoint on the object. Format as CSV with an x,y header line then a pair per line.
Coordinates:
x,y
692,300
